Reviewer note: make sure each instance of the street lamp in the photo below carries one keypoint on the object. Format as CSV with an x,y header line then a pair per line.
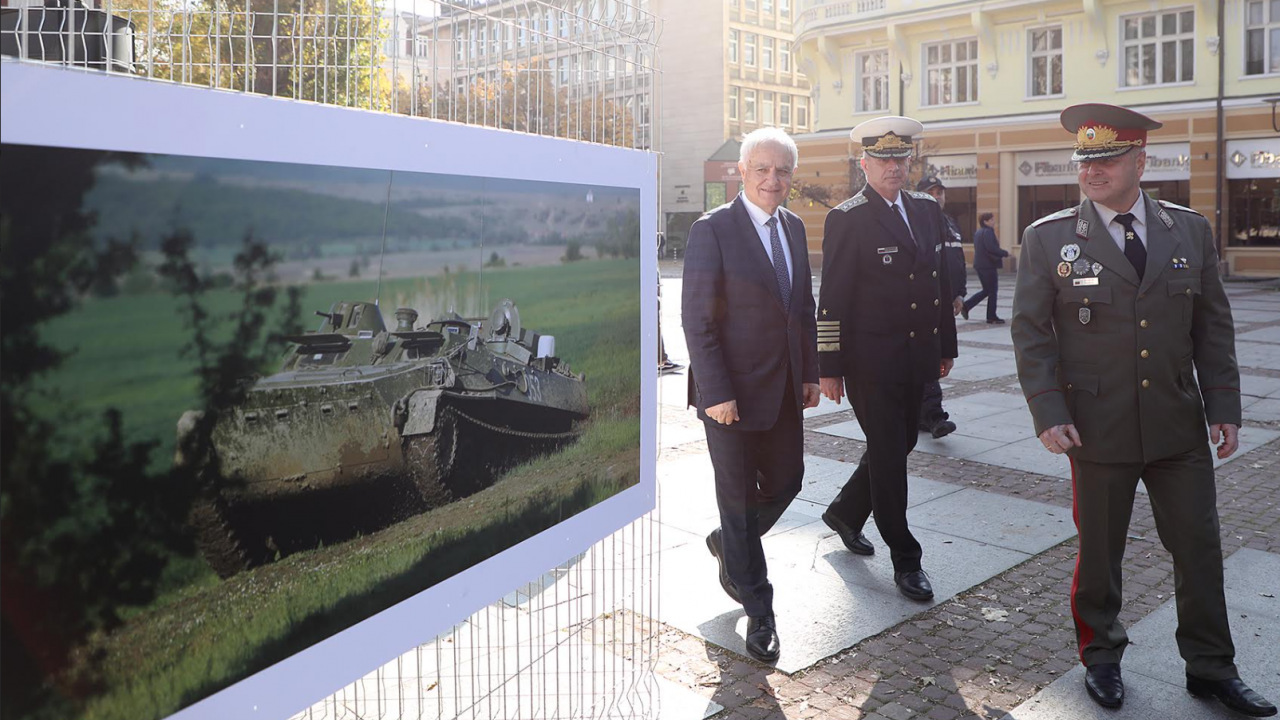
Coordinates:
x,y
1273,102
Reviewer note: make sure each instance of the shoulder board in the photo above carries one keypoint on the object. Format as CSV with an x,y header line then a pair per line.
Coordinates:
x,y
922,196
1060,215
852,203
1175,206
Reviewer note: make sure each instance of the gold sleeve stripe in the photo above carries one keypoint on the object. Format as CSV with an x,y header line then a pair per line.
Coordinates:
x,y
828,347
829,336
828,322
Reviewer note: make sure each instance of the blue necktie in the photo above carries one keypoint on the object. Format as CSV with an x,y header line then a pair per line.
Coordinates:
x,y
1133,248
780,264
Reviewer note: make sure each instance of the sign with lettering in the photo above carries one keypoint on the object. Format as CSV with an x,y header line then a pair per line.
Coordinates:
x,y
954,170
1166,161
1256,158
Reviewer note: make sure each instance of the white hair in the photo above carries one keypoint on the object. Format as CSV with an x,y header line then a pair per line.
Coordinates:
x,y
763,135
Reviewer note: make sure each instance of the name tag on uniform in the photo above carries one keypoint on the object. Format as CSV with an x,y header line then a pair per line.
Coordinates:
x,y
884,250
1077,282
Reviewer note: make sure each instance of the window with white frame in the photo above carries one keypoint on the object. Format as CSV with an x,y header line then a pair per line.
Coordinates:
x,y
422,46
784,9
733,103
749,106
733,46
1045,70
784,56
766,6
802,112
784,110
1262,37
766,108
749,50
951,72
751,4
872,76
1159,48
766,53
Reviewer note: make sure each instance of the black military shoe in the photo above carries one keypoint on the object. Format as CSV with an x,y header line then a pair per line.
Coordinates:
x,y
762,638
964,311
716,547
995,321
857,543
1104,684
1234,694
943,429
914,584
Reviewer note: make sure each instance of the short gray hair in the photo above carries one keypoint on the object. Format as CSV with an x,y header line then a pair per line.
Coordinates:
x,y
763,135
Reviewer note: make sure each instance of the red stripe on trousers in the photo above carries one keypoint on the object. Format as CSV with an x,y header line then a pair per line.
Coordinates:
x,y
1084,633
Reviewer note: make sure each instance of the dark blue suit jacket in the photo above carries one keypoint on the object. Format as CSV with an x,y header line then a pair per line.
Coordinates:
x,y
987,253
741,341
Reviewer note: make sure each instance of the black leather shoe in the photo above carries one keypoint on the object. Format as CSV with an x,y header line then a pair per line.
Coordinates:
x,y
964,311
717,551
1234,694
1104,684
943,429
914,584
857,543
996,321
762,638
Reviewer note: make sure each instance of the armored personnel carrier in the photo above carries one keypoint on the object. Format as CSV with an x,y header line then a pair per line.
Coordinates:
x,y
364,426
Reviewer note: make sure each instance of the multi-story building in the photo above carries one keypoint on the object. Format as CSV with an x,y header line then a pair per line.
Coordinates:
x,y
727,69
989,78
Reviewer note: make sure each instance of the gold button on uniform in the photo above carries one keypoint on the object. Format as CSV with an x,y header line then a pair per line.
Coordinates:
x,y
1188,291
1146,383
1145,354
935,303
1144,323
1070,386
935,273
912,276
935,331
912,333
913,306
1086,301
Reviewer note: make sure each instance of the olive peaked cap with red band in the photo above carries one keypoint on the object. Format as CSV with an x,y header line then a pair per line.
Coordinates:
x,y
1106,131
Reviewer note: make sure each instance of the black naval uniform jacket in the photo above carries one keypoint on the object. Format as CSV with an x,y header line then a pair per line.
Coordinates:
x,y
953,253
1114,355
884,312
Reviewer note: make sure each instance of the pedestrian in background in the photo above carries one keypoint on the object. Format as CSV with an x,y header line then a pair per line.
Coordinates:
x,y
933,419
988,258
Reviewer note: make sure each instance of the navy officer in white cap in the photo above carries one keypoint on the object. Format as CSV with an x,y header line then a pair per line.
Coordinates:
x,y
885,328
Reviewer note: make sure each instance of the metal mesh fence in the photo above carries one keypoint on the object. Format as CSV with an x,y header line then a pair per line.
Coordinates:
x,y
580,642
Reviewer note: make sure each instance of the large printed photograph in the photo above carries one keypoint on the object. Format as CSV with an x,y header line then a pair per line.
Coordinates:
x,y
247,405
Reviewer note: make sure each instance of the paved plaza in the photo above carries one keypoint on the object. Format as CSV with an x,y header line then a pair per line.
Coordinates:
x,y
993,512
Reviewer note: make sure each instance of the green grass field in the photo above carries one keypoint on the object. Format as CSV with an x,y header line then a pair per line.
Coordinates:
x,y
203,634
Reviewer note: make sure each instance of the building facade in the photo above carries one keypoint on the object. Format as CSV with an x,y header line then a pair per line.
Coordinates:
x,y
988,80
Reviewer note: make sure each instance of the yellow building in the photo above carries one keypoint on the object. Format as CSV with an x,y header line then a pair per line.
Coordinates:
x,y
989,78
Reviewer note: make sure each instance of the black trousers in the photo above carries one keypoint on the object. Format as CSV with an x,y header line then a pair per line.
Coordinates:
x,y
889,414
931,412
1184,502
990,279
758,474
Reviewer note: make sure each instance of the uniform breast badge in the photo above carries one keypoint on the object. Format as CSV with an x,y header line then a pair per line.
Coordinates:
x,y
1096,268
886,254
1085,316
1080,267
1070,252
1064,269
1082,228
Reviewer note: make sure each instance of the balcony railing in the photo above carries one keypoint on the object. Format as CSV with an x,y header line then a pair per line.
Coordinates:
x,y
819,13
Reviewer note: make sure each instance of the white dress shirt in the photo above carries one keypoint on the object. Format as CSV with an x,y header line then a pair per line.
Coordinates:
x,y
1139,212
902,210
759,218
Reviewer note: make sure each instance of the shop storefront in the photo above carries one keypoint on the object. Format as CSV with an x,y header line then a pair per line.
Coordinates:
x,y
959,174
1253,197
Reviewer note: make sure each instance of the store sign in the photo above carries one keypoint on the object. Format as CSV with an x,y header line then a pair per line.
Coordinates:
x,y
1167,161
1257,158
954,170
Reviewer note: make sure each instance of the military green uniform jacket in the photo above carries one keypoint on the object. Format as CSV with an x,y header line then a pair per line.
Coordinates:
x,y
1097,348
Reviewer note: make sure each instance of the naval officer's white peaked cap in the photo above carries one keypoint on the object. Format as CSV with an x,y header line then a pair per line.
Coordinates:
x,y
888,136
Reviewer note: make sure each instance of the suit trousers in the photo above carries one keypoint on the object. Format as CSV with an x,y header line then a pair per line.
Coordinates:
x,y
889,414
931,412
1184,502
990,279
758,474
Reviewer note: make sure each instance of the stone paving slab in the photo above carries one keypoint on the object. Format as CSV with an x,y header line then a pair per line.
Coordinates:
x,y
1259,386
1259,313
1267,334
1257,355
826,598
998,334
1154,673
1263,410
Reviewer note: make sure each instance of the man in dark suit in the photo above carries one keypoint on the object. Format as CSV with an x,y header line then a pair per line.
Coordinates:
x,y
748,315
1117,298
988,258
885,328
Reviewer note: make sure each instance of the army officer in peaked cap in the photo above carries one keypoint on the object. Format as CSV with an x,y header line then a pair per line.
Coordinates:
x,y
885,328
1117,300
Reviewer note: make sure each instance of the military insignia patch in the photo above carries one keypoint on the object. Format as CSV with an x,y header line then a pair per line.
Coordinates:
x,y
1082,228
1164,218
1096,268
887,259
1070,252
1064,269
1085,315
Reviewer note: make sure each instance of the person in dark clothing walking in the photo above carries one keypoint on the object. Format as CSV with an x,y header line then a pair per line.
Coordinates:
x,y
988,258
933,419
